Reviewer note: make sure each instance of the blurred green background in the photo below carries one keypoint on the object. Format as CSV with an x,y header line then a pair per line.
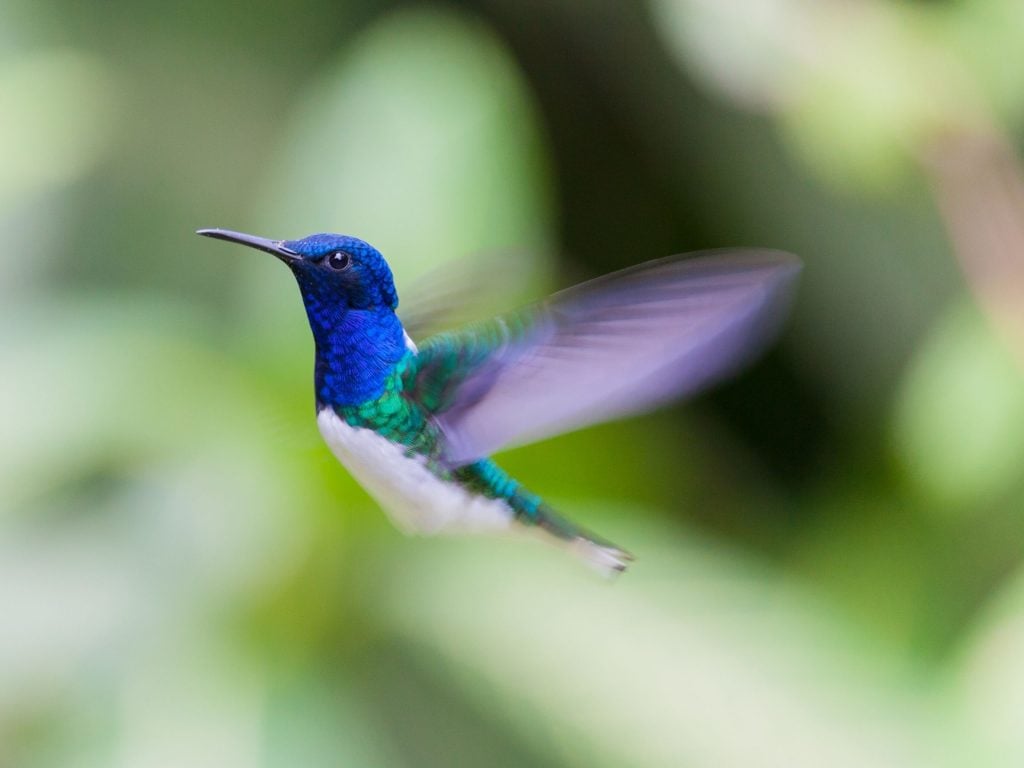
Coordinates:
x,y
830,566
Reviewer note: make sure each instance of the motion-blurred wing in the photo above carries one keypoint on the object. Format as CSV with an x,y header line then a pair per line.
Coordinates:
x,y
454,293
618,345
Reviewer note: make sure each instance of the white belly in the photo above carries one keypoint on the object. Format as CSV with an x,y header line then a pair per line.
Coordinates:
x,y
416,499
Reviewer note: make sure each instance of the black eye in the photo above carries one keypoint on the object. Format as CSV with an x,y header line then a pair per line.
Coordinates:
x,y
339,260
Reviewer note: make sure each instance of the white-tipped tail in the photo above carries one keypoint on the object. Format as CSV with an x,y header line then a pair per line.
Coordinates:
x,y
605,558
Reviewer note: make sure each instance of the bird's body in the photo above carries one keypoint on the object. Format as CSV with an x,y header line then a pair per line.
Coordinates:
x,y
394,448
416,426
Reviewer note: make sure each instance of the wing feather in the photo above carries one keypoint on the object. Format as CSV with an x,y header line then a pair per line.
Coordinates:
x,y
615,346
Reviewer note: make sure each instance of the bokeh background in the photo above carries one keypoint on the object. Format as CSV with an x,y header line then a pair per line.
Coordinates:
x,y
829,547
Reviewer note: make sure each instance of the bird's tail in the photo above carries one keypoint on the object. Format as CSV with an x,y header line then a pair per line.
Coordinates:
x,y
488,478
599,554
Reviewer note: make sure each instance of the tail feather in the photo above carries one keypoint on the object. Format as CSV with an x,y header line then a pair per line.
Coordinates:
x,y
599,554
489,479
608,559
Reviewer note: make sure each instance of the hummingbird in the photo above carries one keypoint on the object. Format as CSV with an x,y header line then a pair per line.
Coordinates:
x,y
416,425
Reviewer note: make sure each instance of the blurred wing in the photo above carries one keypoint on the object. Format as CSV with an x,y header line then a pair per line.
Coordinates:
x,y
456,292
618,345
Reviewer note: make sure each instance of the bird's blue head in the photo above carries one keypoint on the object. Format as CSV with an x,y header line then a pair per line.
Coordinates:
x,y
333,271
350,300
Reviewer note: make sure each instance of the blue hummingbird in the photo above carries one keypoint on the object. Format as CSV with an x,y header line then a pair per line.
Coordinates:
x,y
416,425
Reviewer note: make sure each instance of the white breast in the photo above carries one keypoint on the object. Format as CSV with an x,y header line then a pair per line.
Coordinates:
x,y
416,499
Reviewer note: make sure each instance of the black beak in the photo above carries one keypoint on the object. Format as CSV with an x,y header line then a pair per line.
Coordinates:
x,y
259,243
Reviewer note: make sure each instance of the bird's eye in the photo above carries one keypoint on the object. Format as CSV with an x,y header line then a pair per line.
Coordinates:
x,y
339,260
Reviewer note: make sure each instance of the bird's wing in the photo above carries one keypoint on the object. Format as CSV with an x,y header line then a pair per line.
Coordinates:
x,y
618,345
453,293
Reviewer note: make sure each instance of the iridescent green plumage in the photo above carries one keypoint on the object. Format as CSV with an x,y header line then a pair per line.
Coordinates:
x,y
448,359
402,414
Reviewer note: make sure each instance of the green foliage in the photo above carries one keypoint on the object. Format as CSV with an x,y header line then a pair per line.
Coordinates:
x,y
960,427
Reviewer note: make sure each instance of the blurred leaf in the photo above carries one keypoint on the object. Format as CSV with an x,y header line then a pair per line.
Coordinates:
x,y
859,88
985,35
743,49
191,703
693,658
422,140
959,425
317,720
990,680
56,106
867,547
118,382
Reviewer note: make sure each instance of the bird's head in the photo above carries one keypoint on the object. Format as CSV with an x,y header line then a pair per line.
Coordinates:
x,y
334,272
